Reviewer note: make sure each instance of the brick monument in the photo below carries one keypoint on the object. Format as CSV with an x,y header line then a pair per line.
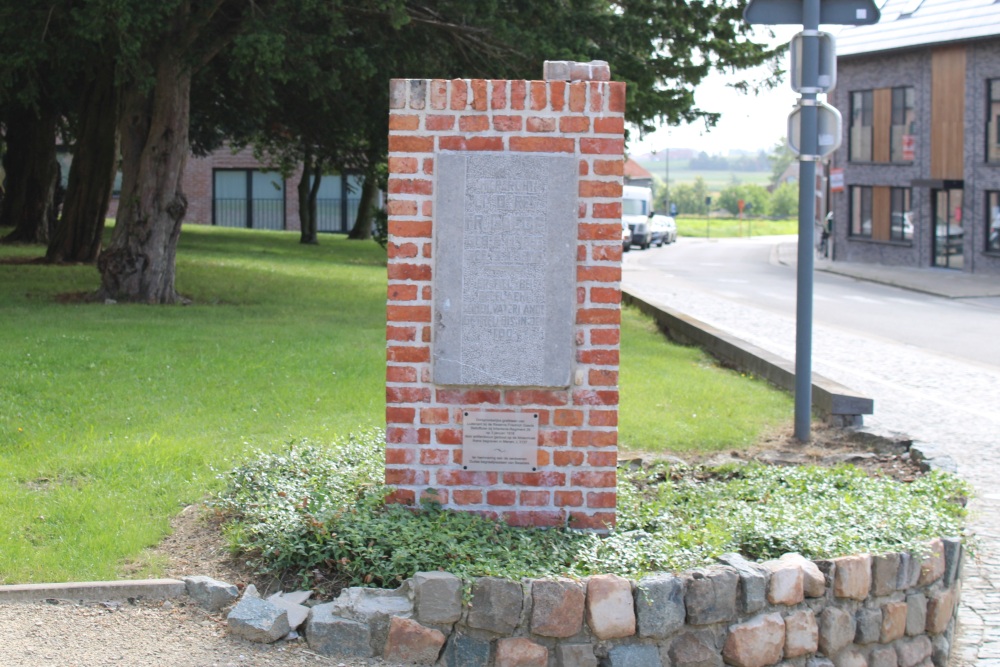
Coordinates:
x,y
504,294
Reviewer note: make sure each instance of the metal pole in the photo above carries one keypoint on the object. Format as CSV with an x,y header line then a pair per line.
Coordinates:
x,y
807,215
666,200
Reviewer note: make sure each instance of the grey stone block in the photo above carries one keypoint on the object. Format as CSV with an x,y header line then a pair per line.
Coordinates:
x,y
819,661
374,607
850,658
438,597
210,593
940,650
464,651
753,582
836,630
577,655
496,605
659,606
555,70
885,573
634,655
914,651
418,93
882,656
690,650
297,613
710,595
258,621
869,626
909,571
916,614
328,634
952,558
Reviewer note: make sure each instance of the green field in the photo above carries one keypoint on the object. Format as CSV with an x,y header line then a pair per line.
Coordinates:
x,y
114,417
714,180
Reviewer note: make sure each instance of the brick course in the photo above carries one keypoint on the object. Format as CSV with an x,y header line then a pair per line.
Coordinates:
x,y
577,424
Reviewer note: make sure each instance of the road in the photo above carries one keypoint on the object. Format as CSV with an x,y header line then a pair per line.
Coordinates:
x,y
931,364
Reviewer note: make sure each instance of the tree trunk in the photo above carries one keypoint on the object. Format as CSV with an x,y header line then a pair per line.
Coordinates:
x,y
78,236
308,188
32,176
139,264
366,208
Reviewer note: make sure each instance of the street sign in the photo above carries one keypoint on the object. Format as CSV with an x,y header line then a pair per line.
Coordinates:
x,y
828,123
837,179
827,62
831,12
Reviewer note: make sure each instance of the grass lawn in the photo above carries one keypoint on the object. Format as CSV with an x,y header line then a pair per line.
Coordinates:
x,y
692,226
114,417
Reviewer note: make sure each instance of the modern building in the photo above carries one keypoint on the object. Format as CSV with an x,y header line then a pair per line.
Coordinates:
x,y
920,158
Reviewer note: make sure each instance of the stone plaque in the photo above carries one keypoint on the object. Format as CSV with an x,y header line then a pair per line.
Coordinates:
x,y
505,441
505,269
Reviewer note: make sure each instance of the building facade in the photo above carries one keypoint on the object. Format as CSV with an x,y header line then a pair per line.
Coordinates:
x,y
919,93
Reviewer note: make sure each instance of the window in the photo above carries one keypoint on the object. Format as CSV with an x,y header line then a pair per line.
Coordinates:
x,y
902,133
861,211
993,120
900,215
860,147
248,198
993,222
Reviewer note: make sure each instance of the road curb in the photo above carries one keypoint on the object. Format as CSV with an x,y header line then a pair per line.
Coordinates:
x,y
147,589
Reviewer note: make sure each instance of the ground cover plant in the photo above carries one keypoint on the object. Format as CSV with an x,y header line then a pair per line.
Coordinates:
x,y
717,228
114,417
317,513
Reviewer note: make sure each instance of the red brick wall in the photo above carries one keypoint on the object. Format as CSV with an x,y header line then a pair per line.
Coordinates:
x,y
575,482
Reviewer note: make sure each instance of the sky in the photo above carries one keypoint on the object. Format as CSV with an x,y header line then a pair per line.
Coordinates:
x,y
748,122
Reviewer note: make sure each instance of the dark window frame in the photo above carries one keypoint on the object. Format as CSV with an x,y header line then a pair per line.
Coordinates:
x,y
859,116
992,221
900,203
856,227
249,198
897,119
992,153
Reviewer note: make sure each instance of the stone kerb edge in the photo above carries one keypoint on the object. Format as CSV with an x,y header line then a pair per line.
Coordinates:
x,y
869,608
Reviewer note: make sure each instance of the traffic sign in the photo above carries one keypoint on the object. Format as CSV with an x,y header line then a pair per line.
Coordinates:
x,y
827,78
828,122
831,12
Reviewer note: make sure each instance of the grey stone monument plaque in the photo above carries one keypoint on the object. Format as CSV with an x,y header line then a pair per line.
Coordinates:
x,y
505,269
505,441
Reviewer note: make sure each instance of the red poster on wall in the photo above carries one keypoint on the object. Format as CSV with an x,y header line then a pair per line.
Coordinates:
x,y
837,180
909,147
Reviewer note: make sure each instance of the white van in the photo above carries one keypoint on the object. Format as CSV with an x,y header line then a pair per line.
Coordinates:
x,y
637,203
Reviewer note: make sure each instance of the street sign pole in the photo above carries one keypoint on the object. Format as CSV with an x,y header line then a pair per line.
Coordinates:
x,y
807,216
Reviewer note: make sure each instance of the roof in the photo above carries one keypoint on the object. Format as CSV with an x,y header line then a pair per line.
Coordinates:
x,y
635,170
911,23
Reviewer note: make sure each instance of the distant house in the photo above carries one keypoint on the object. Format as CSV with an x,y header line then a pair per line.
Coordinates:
x,y
637,175
236,190
920,96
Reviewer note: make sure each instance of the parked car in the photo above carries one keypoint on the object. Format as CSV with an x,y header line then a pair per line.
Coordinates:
x,y
636,205
626,237
663,229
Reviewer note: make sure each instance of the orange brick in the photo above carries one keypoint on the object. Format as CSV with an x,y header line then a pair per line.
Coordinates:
x,y
596,96
517,93
404,121
400,271
602,459
574,124
473,123
599,189
557,95
409,477
400,456
595,438
434,457
616,96
600,521
602,378
459,94
549,438
439,496
401,497
542,144
425,293
433,415
599,232
584,168
439,94
568,498
594,479
401,250
468,397
411,229
536,397
598,316
605,336
501,497
408,436
609,167
609,125
448,477
479,94
448,436
598,357
595,397
611,211
507,123
538,95
564,458
535,498
400,374
411,186
544,478
603,418
498,94
408,313
541,519
602,500
402,144
395,415
568,418
404,292
457,143
400,333
577,96
467,497
602,146
543,458
605,295
429,170
402,165
607,253
408,354
402,207
437,122
601,274
537,124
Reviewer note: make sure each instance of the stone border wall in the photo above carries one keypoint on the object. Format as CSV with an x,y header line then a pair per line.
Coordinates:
x,y
893,610
577,436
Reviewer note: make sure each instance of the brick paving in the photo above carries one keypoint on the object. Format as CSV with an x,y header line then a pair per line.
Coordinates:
x,y
944,402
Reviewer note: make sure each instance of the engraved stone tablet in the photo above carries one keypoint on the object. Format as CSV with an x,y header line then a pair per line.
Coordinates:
x,y
505,441
505,269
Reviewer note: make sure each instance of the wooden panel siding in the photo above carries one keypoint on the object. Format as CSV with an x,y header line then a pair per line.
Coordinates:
x,y
880,213
947,112
881,122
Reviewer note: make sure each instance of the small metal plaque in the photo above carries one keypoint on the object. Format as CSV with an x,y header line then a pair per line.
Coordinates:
x,y
502,441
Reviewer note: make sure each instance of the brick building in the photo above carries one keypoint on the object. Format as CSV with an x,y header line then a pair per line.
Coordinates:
x,y
920,96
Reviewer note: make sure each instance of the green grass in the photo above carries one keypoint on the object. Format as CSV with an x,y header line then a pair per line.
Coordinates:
x,y
114,417
700,227
681,173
